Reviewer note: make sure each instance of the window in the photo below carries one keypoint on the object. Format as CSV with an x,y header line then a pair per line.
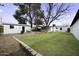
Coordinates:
x,y
11,26
61,28
53,25
56,28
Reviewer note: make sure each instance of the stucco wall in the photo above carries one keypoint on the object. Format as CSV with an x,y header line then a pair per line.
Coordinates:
x,y
75,29
27,28
64,29
16,29
57,29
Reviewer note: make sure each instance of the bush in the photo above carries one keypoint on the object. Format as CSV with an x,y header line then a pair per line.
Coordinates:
x,y
37,29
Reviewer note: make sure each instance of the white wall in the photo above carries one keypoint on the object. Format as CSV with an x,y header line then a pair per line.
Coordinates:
x,y
50,29
27,28
16,29
75,29
64,29
53,29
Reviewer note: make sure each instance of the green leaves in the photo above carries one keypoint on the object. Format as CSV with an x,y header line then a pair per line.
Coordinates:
x,y
23,9
38,22
36,6
27,11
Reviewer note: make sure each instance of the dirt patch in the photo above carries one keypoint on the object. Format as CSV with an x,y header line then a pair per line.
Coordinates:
x,y
9,46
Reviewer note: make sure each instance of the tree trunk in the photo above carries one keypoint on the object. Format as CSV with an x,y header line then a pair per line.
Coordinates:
x,y
46,28
31,24
23,30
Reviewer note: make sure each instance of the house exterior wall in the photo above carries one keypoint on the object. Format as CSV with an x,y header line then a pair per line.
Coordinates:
x,y
27,28
57,29
50,29
16,29
75,29
64,29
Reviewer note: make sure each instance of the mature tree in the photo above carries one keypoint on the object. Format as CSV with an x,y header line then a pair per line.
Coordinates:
x,y
38,22
20,19
27,12
33,11
52,12
20,15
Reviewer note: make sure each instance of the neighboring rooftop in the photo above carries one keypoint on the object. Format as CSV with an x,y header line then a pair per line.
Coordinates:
x,y
76,18
15,24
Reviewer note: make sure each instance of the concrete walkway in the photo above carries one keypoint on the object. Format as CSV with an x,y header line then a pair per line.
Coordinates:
x,y
10,47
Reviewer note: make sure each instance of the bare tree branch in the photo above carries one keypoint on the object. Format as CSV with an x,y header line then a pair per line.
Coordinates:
x,y
60,12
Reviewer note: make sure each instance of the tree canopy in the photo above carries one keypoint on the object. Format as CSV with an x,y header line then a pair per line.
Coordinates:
x,y
34,13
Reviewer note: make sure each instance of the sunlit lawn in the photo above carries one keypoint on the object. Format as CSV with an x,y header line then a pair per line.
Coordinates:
x,y
55,43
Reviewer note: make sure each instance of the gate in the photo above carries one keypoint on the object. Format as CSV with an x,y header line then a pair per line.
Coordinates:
x,y
1,29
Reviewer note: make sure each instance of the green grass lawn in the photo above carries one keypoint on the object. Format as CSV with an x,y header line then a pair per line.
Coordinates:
x,y
51,44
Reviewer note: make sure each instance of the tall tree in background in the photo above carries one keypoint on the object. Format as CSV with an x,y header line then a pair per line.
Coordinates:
x,y
19,15
34,12
27,11
31,12
38,21
52,12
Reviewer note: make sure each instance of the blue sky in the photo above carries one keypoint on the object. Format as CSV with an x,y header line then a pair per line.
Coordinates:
x,y
6,13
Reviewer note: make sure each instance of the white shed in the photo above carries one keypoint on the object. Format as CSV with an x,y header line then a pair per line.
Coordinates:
x,y
60,28
75,26
7,28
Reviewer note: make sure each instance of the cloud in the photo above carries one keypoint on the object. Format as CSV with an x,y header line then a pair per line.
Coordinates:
x,y
1,10
68,15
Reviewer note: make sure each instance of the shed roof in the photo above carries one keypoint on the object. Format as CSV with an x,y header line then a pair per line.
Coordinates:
x,y
15,24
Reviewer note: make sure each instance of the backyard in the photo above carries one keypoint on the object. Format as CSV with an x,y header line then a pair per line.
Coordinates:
x,y
10,47
52,44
